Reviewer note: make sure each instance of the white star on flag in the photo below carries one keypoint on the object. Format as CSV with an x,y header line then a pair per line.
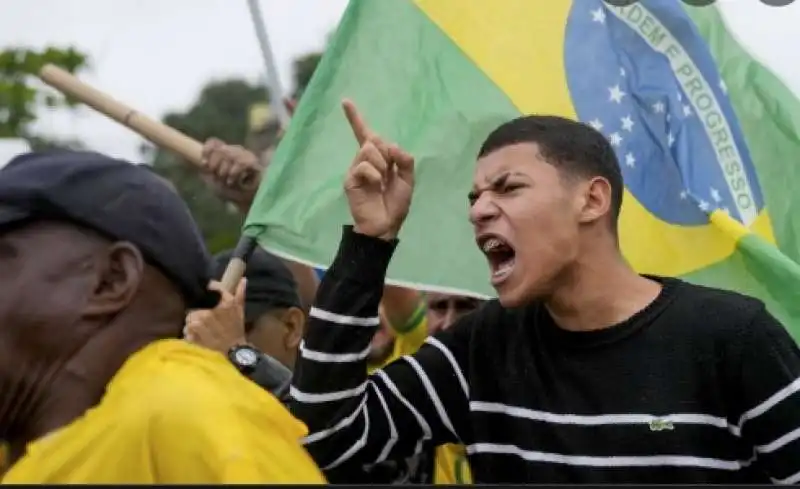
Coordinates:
x,y
704,206
687,111
615,94
658,107
684,195
615,139
630,160
599,15
627,123
715,195
680,97
670,139
622,72
596,124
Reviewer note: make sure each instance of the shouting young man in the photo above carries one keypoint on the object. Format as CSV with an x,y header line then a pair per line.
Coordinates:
x,y
582,371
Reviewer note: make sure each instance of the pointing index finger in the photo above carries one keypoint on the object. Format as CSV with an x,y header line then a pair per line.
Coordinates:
x,y
357,124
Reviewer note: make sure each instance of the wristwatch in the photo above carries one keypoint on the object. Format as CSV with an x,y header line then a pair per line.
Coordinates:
x,y
245,358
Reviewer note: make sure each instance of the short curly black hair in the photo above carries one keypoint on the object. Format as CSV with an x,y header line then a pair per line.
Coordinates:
x,y
574,148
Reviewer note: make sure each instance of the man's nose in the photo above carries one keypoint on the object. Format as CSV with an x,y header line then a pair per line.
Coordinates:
x,y
482,210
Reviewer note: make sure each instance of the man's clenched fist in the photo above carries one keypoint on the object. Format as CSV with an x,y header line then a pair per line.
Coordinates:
x,y
225,165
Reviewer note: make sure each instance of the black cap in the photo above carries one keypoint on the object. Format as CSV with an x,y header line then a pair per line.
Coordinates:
x,y
123,201
270,283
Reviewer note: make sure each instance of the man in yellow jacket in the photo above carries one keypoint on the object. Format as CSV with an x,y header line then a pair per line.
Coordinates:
x,y
100,262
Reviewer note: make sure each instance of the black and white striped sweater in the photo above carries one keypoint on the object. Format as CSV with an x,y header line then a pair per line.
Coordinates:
x,y
699,387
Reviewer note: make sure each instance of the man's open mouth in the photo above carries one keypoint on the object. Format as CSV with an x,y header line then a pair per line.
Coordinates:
x,y
500,255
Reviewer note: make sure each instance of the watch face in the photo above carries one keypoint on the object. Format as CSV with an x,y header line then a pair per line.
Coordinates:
x,y
246,357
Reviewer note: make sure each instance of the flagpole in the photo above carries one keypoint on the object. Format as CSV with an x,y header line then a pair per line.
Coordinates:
x,y
273,79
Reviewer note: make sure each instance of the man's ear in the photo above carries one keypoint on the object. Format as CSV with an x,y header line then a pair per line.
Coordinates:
x,y
295,321
596,200
120,271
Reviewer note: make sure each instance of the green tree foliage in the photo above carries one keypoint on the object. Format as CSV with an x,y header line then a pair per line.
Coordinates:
x,y
221,111
304,68
21,93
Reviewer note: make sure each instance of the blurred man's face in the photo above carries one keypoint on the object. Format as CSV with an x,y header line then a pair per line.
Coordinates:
x,y
47,275
445,309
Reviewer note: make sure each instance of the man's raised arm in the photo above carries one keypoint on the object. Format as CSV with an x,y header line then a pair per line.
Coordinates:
x,y
355,419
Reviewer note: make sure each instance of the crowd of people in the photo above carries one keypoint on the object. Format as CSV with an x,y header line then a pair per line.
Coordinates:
x,y
124,360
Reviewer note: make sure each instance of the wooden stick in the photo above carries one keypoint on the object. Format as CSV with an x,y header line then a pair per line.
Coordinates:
x,y
158,133
238,263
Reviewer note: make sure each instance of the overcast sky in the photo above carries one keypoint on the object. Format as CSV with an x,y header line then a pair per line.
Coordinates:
x,y
157,54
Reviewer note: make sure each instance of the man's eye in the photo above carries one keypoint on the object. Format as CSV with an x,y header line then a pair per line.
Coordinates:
x,y
466,306
511,187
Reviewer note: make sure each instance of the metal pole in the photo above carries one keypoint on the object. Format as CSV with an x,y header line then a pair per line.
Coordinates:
x,y
273,80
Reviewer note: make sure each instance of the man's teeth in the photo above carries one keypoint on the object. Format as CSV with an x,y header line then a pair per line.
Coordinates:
x,y
504,269
492,244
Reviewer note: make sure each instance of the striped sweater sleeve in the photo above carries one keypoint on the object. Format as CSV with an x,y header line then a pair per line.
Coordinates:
x,y
355,419
768,393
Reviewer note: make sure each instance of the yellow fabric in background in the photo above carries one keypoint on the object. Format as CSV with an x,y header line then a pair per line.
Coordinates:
x,y
174,414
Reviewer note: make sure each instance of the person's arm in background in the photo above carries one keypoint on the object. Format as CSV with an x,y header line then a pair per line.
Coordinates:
x,y
240,160
764,378
400,304
222,165
404,310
